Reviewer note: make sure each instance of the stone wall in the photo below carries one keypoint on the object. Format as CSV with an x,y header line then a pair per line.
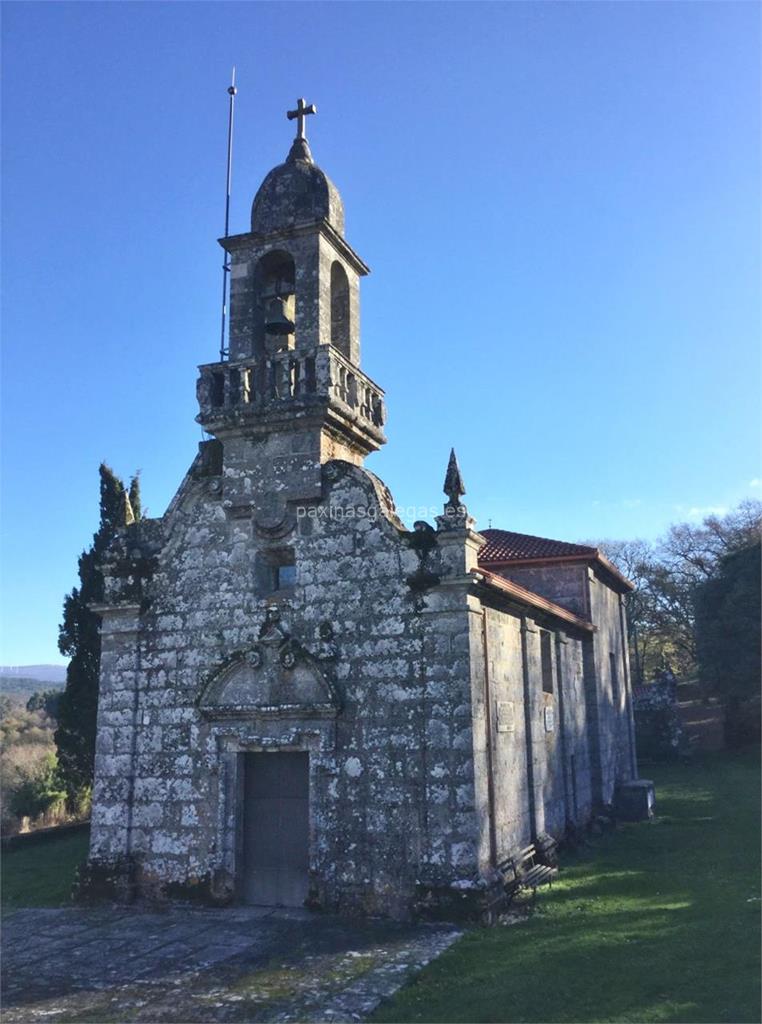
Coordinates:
x,y
541,764
609,691
391,774
576,735
564,584
430,755
590,594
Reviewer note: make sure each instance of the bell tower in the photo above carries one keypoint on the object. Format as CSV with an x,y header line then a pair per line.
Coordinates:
x,y
291,395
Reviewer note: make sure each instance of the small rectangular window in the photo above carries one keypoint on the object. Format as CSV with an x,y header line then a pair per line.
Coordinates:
x,y
546,661
614,680
275,570
285,576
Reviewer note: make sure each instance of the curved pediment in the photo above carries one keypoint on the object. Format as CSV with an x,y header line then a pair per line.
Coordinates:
x,y
270,679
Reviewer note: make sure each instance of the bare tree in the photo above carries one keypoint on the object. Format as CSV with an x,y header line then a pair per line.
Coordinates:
x,y
661,612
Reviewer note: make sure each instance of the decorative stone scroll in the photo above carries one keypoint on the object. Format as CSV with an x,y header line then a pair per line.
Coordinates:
x,y
273,678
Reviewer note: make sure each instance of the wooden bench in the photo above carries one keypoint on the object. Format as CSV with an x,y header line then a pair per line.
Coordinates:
x,y
522,870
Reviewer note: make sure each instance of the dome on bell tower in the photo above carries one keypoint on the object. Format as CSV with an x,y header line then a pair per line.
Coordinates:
x,y
296,192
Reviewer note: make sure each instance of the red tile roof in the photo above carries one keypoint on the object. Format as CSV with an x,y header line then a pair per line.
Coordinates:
x,y
506,546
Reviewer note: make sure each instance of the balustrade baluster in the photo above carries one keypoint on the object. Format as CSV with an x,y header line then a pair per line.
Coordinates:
x,y
309,375
234,387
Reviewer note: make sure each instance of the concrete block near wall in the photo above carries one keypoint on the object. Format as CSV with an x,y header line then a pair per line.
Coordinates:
x,y
635,800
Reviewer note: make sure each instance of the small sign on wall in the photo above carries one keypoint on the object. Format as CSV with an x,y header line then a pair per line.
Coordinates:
x,y
505,716
550,719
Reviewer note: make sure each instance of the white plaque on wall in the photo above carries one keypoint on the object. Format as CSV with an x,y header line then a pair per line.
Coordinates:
x,y
505,716
550,719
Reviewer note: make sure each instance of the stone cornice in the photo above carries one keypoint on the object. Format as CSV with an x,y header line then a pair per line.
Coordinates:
x,y
234,243
106,609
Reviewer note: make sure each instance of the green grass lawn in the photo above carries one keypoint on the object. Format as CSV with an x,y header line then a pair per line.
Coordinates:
x,y
41,873
656,922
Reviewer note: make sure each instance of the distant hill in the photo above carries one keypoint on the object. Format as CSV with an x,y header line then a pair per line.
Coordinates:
x,y
44,673
23,680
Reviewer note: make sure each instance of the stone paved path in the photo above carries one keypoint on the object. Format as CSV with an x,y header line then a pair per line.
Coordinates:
x,y
182,965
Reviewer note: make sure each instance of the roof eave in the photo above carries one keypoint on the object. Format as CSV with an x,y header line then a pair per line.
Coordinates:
x,y
596,559
528,597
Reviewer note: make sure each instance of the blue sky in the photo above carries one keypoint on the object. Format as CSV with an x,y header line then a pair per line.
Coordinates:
x,y
559,203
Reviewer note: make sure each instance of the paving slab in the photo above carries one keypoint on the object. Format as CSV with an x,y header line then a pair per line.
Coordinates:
x,y
190,964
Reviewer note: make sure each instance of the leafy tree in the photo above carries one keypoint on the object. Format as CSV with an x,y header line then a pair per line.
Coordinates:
x,y
39,791
694,552
687,558
728,611
45,700
668,576
659,633
79,639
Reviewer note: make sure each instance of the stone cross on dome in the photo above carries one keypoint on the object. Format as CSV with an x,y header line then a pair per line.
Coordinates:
x,y
301,112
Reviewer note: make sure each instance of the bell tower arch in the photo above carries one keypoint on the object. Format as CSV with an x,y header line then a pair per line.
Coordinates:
x,y
274,303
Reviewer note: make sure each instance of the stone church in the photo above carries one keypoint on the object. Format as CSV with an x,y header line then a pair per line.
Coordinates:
x,y
301,700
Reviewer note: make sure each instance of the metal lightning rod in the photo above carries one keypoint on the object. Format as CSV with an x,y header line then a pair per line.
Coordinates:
x,y
226,265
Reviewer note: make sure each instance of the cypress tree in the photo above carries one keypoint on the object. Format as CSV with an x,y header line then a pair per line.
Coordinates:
x,y
79,640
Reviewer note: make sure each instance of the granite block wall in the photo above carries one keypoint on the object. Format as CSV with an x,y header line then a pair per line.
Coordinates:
x,y
391,769
609,691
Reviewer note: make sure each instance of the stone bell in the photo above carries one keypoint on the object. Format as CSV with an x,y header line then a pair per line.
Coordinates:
x,y
276,321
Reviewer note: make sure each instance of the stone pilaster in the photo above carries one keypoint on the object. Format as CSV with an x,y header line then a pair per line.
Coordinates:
x,y
117,733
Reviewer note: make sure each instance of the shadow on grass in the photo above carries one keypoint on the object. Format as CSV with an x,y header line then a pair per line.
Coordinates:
x,y
654,922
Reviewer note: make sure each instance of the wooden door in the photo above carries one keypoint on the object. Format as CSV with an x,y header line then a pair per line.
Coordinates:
x,y
276,829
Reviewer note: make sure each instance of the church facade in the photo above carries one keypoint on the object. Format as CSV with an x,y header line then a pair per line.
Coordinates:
x,y
302,702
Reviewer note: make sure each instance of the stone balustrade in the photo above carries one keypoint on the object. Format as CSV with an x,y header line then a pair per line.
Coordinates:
x,y
350,387
253,386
